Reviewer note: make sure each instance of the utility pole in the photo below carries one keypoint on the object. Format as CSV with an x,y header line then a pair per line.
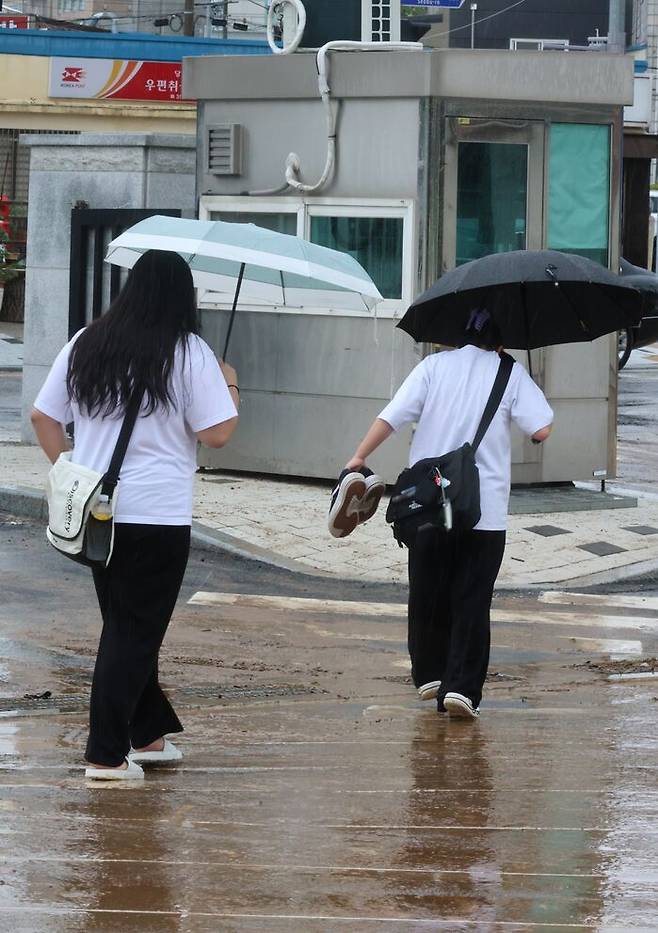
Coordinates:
x,y
188,18
617,26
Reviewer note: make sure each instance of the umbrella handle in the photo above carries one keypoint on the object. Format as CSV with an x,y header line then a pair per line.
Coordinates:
x,y
233,310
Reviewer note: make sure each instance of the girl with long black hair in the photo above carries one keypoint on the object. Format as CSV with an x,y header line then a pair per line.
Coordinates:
x,y
147,345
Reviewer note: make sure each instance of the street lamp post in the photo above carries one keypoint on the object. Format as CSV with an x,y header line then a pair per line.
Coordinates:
x,y
474,8
616,24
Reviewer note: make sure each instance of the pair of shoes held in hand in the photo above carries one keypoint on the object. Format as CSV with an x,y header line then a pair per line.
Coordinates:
x,y
354,500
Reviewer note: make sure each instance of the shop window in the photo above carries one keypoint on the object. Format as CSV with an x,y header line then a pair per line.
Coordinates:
x,y
492,197
579,190
375,242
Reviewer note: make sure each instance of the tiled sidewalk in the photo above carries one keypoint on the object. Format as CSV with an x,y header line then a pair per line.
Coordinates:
x,y
285,521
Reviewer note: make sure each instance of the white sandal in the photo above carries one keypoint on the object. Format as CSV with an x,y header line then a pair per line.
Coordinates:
x,y
132,773
169,752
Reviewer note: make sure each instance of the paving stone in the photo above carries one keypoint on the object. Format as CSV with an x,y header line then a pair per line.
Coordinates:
x,y
641,529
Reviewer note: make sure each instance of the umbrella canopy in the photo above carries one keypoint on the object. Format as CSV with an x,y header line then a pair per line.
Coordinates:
x,y
277,269
646,282
537,298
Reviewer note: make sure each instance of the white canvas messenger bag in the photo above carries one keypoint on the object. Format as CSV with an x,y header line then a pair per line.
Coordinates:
x,y
82,502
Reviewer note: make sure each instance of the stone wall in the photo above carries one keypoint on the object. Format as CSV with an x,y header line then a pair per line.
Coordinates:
x,y
104,171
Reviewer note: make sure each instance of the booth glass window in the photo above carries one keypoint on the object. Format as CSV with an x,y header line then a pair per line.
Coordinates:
x,y
579,190
378,232
375,242
492,199
280,223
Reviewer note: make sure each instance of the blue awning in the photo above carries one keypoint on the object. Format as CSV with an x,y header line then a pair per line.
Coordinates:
x,y
122,45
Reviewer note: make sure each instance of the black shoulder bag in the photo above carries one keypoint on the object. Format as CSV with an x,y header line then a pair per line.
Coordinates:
x,y
444,492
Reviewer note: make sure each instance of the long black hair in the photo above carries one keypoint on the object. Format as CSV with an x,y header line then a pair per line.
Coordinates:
x,y
131,347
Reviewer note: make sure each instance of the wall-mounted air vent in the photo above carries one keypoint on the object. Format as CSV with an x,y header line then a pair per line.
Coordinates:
x,y
224,149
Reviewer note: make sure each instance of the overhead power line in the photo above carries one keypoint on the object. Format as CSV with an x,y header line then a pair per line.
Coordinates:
x,y
482,19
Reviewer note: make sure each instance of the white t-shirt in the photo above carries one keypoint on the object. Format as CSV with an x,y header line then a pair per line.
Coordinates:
x,y
446,395
157,477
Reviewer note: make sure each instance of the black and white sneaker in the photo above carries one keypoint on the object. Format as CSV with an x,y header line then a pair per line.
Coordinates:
x,y
459,706
430,690
375,489
345,499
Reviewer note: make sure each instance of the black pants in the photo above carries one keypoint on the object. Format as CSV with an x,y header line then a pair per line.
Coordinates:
x,y
137,594
451,581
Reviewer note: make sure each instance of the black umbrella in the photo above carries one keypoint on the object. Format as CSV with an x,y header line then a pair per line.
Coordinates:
x,y
537,298
646,282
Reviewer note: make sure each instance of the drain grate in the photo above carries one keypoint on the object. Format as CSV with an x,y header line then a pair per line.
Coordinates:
x,y
626,666
258,692
20,706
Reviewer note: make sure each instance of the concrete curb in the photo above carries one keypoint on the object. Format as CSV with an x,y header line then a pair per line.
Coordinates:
x,y
212,539
25,502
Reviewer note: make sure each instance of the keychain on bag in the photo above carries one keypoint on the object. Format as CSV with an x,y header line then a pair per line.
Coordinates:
x,y
443,482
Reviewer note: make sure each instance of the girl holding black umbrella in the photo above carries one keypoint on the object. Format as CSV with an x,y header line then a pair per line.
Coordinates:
x,y
452,572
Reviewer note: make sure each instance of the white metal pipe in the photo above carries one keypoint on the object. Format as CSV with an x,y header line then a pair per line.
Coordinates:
x,y
293,162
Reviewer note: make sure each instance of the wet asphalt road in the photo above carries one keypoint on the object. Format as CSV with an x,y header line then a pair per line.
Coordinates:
x,y
637,421
317,793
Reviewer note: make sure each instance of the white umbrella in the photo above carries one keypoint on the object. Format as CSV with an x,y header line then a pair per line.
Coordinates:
x,y
263,266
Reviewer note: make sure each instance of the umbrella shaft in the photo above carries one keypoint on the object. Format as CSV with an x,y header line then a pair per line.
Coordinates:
x,y
233,310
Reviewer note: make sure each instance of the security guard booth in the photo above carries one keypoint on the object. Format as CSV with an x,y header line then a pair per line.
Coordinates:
x,y
441,156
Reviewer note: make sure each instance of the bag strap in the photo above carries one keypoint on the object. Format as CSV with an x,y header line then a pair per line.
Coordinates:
x,y
111,478
495,398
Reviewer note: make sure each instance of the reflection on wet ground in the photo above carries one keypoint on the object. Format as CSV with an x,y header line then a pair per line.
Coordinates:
x,y
317,793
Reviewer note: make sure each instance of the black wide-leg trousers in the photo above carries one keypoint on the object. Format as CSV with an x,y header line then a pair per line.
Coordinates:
x,y
137,593
451,581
